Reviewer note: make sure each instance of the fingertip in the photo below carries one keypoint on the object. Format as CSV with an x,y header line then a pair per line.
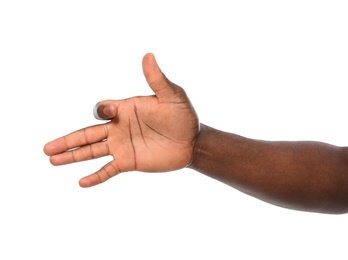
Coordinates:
x,y
47,149
57,160
109,111
149,56
84,183
89,181
51,160
151,70
95,112
54,147
105,111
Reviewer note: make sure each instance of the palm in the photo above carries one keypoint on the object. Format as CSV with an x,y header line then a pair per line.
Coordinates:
x,y
148,135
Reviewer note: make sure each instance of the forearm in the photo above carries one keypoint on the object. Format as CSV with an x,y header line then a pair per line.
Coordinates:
x,y
309,176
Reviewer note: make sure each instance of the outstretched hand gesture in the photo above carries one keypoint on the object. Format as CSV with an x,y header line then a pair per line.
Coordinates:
x,y
150,134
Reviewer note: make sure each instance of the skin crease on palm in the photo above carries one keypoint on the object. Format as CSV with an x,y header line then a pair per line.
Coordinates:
x,y
136,136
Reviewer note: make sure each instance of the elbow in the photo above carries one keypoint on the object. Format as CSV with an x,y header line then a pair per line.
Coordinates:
x,y
331,208
340,210
341,194
339,200
340,205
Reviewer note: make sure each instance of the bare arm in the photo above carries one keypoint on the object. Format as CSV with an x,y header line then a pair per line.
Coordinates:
x,y
162,133
308,176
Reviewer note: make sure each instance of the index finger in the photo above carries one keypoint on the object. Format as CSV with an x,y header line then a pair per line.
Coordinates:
x,y
88,135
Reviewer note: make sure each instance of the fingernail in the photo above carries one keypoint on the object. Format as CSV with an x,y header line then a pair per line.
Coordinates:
x,y
95,112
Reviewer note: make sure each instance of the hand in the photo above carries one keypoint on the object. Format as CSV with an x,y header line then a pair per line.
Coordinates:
x,y
150,134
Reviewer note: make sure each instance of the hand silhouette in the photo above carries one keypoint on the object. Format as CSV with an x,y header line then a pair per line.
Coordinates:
x,y
150,134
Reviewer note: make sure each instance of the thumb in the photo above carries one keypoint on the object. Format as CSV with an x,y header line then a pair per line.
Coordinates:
x,y
155,78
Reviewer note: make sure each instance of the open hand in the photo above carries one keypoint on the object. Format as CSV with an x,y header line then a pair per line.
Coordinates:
x,y
150,134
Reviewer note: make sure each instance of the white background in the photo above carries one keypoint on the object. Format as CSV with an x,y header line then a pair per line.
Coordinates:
x,y
273,70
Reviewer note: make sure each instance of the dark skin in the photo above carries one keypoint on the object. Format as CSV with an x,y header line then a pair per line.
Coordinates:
x,y
162,133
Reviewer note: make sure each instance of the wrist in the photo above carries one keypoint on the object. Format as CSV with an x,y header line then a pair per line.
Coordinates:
x,y
198,145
